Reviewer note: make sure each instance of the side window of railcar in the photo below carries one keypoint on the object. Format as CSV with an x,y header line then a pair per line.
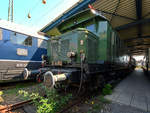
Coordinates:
x,y
21,39
42,43
28,41
1,35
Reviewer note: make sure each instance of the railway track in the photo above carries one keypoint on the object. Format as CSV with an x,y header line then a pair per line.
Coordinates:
x,y
15,108
10,85
78,99
71,105
25,106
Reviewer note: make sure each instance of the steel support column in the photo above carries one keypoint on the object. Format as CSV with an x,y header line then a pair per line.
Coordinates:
x,y
139,15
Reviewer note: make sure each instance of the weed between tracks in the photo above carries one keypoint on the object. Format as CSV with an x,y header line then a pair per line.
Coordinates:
x,y
98,104
95,104
107,90
52,103
11,96
55,102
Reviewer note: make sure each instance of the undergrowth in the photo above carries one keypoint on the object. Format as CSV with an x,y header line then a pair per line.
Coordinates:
x,y
14,90
101,102
52,103
98,104
107,90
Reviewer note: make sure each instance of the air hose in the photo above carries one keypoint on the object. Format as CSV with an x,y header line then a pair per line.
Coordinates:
x,y
81,78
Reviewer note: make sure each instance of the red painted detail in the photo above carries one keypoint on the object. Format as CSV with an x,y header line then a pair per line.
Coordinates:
x,y
91,7
39,80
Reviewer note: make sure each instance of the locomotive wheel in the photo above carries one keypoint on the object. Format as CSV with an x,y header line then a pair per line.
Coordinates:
x,y
25,74
49,81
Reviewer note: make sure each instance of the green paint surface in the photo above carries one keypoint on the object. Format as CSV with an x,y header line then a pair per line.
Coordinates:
x,y
73,39
100,40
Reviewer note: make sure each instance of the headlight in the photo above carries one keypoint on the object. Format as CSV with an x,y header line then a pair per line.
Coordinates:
x,y
71,54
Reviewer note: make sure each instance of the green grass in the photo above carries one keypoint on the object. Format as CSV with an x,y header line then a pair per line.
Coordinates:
x,y
1,93
11,95
15,89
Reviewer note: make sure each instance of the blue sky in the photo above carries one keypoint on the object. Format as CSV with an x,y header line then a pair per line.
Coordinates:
x,y
41,14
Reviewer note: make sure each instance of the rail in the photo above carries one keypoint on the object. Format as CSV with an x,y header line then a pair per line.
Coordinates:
x,y
9,108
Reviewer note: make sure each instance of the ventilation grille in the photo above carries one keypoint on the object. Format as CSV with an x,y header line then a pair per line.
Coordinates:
x,y
59,50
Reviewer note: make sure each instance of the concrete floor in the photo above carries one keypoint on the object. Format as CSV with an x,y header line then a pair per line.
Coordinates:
x,y
133,91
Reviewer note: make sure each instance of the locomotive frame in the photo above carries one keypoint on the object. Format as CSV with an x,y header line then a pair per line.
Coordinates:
x,y
88,53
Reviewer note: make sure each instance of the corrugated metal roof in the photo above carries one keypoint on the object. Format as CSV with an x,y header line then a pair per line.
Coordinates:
x,y
128,17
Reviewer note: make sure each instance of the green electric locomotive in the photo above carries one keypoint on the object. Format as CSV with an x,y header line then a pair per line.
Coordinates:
x,y
88,53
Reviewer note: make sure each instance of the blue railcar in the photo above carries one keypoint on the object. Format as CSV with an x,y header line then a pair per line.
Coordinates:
x,y
20,48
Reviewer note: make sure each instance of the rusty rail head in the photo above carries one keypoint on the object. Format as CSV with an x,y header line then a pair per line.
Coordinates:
x,y
11,107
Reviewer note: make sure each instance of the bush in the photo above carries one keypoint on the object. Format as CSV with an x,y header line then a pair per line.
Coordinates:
x,y
107,90
1,93
51,104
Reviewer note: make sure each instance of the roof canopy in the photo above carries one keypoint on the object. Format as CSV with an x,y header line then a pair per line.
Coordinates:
x,y
131,18
82,4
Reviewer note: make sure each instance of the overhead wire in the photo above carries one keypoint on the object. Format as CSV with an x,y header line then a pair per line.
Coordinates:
x,y
31,9
43,15
37,3
54,7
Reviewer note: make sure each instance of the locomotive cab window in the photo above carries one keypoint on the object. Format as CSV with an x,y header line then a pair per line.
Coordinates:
x,y
28,41
21,39
102,29
91,28
1,35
